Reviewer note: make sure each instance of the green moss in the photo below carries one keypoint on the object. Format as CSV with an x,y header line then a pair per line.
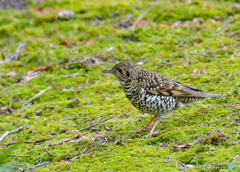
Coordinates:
x,y
210,45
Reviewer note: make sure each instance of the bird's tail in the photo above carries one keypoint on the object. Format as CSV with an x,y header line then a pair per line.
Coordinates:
x,y
213,95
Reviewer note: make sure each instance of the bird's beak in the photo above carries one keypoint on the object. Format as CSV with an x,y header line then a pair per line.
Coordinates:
x,y
107,71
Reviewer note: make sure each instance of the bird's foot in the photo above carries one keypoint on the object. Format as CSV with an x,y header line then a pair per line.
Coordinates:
x,y
149,135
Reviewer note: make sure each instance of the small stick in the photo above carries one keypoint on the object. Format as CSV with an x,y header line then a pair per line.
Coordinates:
x,y
201,54
13,131
70,118
37,165
37,95
48,150
76,157
125,20
19,155
37,141
139,18
17,51
102,122
63,142
235,157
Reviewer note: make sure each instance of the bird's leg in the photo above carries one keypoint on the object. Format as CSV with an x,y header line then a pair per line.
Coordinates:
x,y
146,126
151,132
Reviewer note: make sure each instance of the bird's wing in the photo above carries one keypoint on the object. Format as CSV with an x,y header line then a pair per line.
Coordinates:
x,y
159,85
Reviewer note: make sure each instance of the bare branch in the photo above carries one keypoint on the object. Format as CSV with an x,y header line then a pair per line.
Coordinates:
x,y
139,18
13,131
102,122
64,142
36,96
76,157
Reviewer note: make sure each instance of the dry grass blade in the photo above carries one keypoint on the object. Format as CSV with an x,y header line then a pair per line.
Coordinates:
x,y
102,122
139,18
36,96
13,131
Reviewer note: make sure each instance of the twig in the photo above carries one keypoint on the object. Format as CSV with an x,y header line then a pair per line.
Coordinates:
x,y
6,59
70,118
235,157
76,157
19,155
36,96
102,122
37,141
64,142
67,76
17,50
210,55
13,131
125,20
37,165
46,148
139,18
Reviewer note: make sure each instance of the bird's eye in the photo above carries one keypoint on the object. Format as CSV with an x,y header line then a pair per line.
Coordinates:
x,y
120,70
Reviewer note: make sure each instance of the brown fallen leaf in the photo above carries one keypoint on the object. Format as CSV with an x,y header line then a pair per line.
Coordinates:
x,y
37,8
141,22
161,145
109,128
12,73
213,21
64,43
87,80
41,68
47,10
198,21
188,144
191,61
194,43
5,110
88,43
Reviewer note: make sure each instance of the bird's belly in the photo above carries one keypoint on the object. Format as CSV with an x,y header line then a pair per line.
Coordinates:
x,y
153,104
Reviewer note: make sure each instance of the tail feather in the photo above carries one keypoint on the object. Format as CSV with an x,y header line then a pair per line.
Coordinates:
x,y
213,95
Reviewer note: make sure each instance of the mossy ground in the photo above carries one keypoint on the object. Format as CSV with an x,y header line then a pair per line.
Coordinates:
x,y
211,45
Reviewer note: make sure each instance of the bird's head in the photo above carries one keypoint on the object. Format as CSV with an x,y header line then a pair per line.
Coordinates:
x,y
123,71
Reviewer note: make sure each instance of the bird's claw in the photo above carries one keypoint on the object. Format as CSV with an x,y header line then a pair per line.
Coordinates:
x,y
149,135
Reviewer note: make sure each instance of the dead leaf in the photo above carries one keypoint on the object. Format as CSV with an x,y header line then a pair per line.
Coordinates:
x,y
199,72
141,22
109,128
198,21
161,145
5,110
213,21
37,8
12,73
140,63
188,144
47,10
64,43
194,43
238,44
41,68
191,61
50,106
65,13
87,80
88,43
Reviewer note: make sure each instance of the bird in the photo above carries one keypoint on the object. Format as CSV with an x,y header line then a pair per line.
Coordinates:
x,y
153,93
